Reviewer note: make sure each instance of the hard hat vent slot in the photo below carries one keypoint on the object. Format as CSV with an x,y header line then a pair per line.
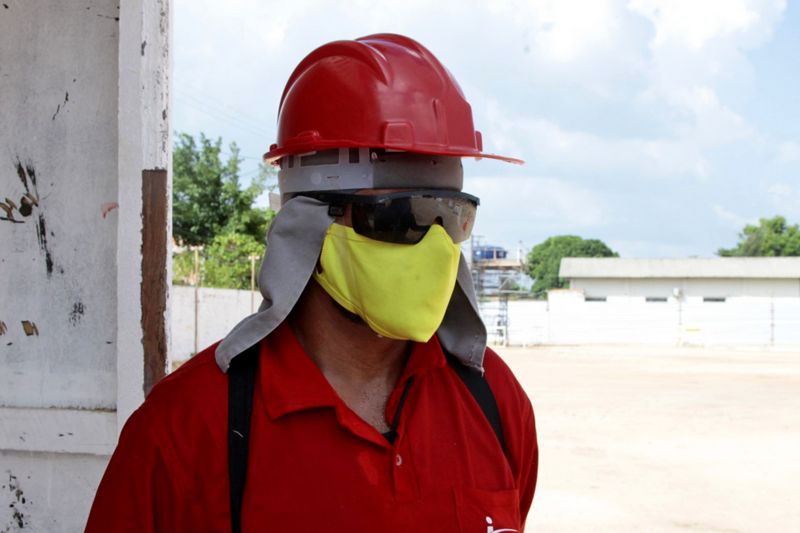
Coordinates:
x,y
323,157
286,162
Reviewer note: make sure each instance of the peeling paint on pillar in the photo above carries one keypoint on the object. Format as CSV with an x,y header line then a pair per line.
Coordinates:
x,y
27,176
76,314
30,328
64,104
19,505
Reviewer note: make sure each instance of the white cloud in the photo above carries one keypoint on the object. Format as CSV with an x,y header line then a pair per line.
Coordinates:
x,y
729,218
531,208
693,24
698,49
563,31
544,142
654,249
789,152
711,122
785,199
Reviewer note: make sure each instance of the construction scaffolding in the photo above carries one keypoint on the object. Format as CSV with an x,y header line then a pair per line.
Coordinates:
x,y
496,277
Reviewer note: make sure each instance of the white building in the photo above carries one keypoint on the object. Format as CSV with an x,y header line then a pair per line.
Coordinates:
x,y
719,301
710,280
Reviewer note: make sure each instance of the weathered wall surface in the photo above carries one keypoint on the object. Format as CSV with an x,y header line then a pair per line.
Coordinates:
x,y
33,502
58,158
83,101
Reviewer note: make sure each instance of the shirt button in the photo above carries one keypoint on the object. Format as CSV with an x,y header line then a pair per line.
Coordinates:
x,y
398,460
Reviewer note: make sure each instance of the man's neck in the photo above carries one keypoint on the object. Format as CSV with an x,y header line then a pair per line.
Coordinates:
x,y
360,365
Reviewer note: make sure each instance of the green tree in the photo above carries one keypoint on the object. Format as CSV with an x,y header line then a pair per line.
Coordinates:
x,y
208,198
226,262
544,259
771,237
212,210
183,268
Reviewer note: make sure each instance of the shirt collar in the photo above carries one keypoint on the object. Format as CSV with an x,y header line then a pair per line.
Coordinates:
x,y
291,381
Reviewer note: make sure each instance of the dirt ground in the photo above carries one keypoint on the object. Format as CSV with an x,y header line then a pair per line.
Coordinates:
x,y
664,439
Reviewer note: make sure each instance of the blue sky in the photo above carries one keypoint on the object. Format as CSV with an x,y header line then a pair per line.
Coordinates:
x,y
658,126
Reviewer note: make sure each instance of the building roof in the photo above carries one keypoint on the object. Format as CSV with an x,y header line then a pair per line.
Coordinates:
x,y
717,267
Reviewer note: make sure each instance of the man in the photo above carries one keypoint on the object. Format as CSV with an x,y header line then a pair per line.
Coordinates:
x,y
355,400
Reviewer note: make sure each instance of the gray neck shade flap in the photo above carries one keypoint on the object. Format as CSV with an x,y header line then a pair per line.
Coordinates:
x,y
294,242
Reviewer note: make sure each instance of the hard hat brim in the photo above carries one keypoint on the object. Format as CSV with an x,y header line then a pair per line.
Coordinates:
x,y
276,153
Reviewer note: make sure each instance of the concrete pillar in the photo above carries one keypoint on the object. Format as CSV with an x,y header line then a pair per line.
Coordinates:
x,y
84,209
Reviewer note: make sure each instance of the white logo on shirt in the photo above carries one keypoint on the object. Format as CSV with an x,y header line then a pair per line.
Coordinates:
x,y
490,528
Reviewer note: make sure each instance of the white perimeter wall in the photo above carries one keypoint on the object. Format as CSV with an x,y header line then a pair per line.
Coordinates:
x,y
218,311
83,107
566,319
689,287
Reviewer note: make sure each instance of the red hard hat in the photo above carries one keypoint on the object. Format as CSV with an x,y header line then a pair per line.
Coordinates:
x,y
379,91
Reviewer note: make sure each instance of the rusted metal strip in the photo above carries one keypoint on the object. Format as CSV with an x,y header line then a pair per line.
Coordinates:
x,y
154,275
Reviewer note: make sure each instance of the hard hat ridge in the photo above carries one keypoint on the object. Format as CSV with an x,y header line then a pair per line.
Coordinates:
x,y
337,50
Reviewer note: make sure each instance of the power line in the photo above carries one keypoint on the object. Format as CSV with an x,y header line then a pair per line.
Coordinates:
x,y
258,158
223,107
226,119
219,109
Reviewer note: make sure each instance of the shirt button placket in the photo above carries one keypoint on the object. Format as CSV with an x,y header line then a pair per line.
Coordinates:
x,y
403,474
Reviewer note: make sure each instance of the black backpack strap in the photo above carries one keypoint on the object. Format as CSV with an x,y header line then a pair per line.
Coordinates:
x,y
479,388
241,384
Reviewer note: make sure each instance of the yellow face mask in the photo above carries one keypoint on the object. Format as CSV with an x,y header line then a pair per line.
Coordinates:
x,y
400,290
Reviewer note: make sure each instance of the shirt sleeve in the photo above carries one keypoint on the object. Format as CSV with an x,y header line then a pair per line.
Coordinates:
x,y
130,492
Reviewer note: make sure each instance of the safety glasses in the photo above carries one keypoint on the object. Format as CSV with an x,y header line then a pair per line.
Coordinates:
x,y
404,217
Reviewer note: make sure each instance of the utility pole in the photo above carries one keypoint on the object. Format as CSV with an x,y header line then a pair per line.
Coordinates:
x,y
196,297
677,292
772,320
252,284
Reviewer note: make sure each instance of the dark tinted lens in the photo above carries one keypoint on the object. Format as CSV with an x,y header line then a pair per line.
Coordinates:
x,y
390,220
405,220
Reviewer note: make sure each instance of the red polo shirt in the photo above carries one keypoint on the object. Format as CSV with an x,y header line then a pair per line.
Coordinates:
x,y
314,465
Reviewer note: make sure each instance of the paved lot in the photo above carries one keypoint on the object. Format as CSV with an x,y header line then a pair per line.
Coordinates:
x,y
664,439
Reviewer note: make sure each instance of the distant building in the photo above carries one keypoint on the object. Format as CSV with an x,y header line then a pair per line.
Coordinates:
x,y
707,279
488,252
